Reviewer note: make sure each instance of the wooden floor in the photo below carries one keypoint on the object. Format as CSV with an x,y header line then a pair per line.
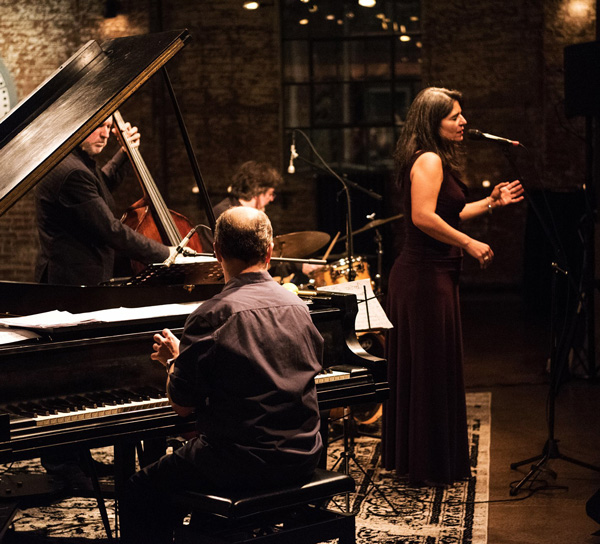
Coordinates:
x,y
506,352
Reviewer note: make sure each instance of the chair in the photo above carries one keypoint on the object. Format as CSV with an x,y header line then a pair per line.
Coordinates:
x,y
294,514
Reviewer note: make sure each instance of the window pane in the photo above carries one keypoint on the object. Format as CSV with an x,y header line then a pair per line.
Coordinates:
x,y
297,106
403,95
378,58
327,60
295,61
378,104
381,147
328,101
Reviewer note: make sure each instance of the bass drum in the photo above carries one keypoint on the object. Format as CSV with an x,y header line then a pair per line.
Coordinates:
x,y
373,343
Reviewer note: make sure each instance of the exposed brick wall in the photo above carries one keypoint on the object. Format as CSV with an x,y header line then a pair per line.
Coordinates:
x,y
506,56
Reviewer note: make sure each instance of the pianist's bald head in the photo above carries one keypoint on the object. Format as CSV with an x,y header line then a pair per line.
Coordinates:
x,y
245,234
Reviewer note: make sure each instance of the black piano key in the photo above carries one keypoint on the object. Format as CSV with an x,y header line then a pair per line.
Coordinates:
x,y
18,411
103,398
36,408
57,404
151,392
83,402
127,395
97,397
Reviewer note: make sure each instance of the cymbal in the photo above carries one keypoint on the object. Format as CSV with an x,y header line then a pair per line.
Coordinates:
x,y
298,245
374,223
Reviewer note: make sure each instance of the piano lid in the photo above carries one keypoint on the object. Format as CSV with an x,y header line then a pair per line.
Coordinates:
x,y
72,102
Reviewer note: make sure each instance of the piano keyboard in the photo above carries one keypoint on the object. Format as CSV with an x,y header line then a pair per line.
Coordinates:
x,y
20,420
75,408
330,375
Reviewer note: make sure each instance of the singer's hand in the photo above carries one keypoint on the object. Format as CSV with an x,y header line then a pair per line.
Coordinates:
x,y
166,346
507,193
480,251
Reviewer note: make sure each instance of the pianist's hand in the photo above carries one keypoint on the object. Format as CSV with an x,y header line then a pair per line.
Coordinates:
x,y
166,346
132,135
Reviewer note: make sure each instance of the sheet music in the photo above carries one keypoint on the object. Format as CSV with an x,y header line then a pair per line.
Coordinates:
x,y
370,313
55,319
10,336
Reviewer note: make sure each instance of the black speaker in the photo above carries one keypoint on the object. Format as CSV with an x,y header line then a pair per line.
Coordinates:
x,y
582,79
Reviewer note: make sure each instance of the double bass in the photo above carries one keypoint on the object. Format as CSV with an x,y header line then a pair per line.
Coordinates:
x,y
149,215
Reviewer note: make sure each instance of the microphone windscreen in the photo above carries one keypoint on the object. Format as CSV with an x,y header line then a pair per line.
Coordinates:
x,y
474,134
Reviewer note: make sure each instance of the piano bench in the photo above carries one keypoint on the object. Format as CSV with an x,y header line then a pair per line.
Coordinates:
x,y
290,515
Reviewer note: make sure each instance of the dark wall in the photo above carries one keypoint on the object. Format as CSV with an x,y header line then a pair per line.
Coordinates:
x,y
506,57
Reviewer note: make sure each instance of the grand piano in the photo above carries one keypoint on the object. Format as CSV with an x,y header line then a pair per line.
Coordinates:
x,y
93,384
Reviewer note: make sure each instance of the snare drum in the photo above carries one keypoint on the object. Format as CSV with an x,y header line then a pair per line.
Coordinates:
x,y
338,272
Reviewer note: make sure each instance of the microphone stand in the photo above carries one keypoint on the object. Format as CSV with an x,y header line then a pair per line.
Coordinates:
x,y
558,356
346,183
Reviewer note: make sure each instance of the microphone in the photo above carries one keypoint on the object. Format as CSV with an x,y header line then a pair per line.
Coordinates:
x,y
293,155
475,134
180,247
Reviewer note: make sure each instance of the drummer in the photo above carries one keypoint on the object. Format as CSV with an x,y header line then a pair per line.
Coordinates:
x,y
253,185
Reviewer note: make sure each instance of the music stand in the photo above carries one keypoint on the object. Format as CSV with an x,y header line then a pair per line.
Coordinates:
x,y
195,271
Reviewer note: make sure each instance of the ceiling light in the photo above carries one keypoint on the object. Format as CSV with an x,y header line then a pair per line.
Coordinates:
x,y
366,3
404,38
303,21
251,5
313,9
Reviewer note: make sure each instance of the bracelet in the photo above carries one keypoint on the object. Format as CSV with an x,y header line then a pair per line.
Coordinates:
x,y
489,201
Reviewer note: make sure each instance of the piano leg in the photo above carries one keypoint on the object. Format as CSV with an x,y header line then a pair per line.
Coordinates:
x,y
8,509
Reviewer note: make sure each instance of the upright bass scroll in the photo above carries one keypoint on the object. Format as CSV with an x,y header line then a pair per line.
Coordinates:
x,y
149,215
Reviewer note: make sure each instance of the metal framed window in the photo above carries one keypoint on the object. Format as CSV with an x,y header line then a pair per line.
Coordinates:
x,y
349,74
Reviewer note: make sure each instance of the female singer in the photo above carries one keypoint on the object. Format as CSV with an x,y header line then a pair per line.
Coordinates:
x,y
424,425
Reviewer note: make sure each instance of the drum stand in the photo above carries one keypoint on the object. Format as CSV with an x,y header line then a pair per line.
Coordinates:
x,y
348,455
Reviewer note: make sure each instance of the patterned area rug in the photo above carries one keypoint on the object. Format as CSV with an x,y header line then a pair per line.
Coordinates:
x,y
388,510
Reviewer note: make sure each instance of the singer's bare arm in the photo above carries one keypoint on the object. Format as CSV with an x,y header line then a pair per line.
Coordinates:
x,y
426,178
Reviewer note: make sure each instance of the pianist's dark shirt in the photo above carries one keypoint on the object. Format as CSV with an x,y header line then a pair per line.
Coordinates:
x,y
78,230
247,361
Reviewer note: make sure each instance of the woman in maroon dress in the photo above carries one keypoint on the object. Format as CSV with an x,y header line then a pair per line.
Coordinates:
x,y
424,425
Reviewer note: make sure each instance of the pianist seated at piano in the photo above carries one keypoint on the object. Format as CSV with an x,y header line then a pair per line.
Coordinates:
x,y
75,211
245,364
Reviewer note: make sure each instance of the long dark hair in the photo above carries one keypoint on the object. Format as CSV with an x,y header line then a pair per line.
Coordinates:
x,y
421,132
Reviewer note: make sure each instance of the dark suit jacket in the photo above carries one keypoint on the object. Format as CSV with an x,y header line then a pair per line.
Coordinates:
x,y
77,227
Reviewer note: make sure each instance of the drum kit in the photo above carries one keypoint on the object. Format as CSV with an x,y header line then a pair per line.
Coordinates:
x,y
299,245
